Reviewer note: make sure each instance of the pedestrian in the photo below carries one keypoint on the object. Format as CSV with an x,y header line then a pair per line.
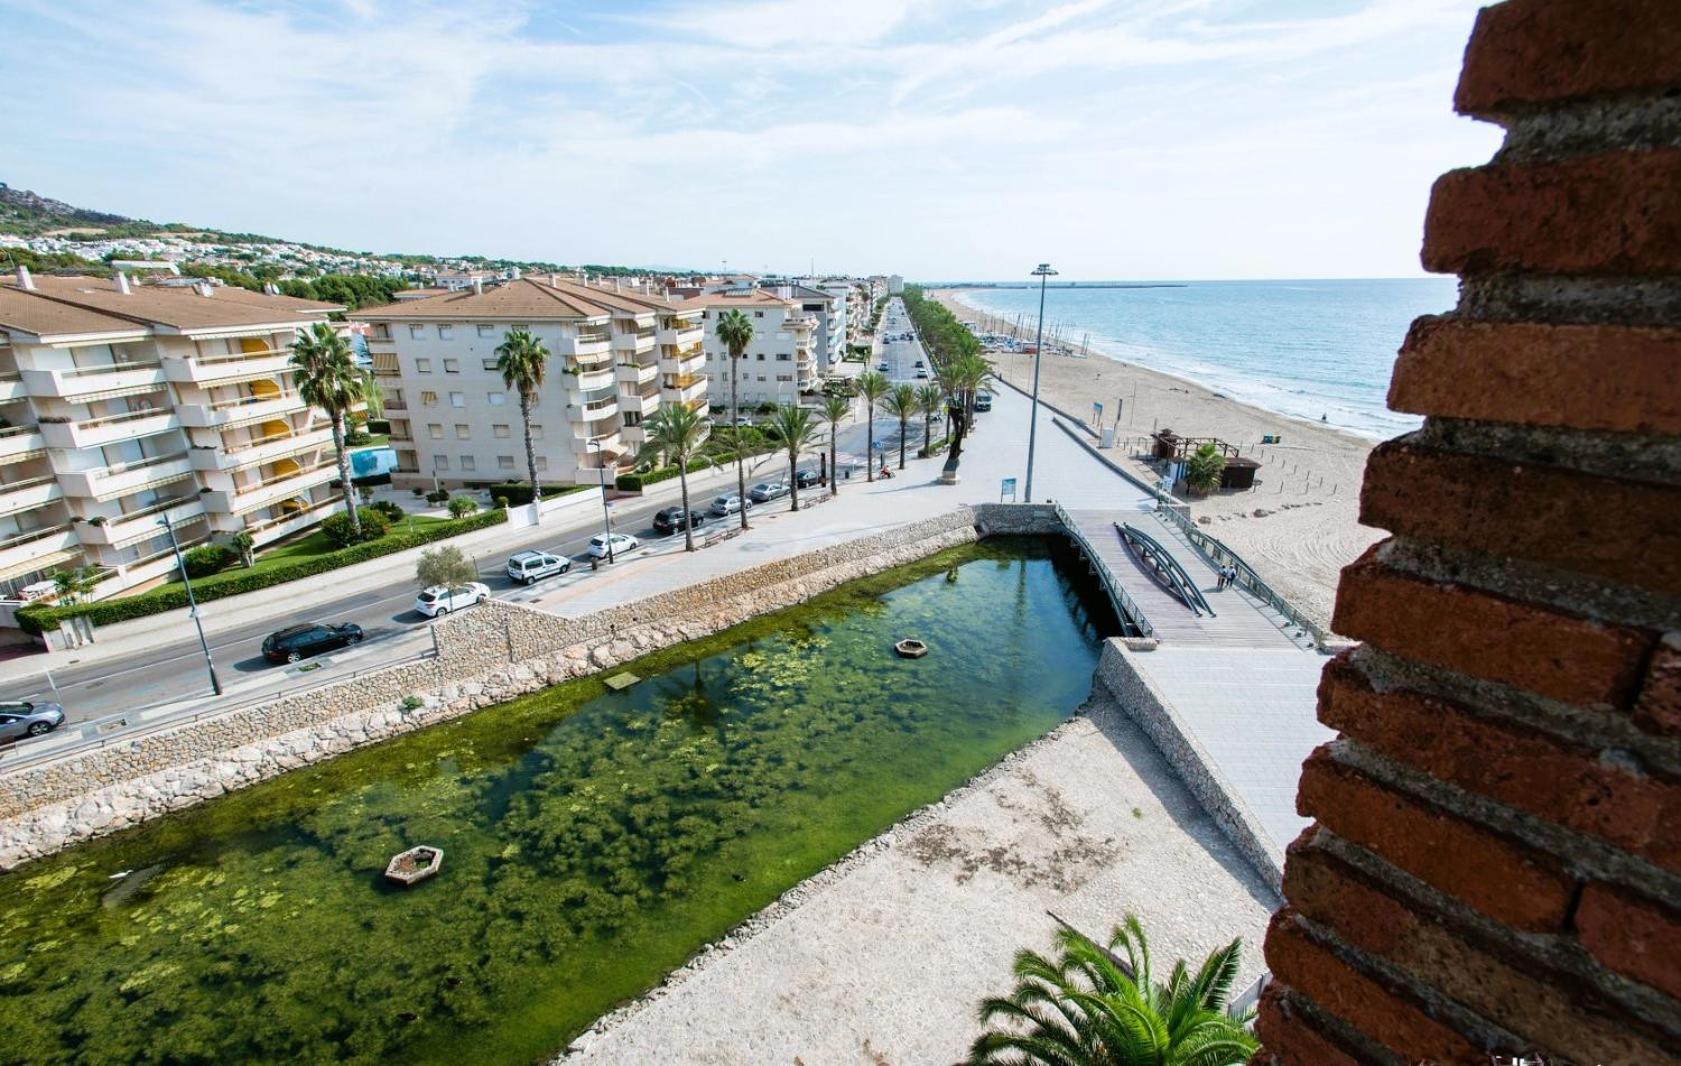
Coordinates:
x,y
1220,579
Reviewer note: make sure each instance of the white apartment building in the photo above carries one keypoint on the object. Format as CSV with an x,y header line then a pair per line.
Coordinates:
x,y
618,354
123,402
779,367
826,303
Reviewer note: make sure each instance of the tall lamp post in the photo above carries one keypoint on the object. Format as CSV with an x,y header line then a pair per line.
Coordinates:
x,y
606,513
192,604
1043,272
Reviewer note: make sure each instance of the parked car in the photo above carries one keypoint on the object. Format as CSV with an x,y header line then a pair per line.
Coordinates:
x,y
671,520
622,543
882,367
439,600
24,719
528,568
805,479
311,638
921,373
766,491
983,401
728,505
743,420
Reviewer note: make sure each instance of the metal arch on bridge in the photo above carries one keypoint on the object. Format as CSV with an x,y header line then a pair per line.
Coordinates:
x,y
1165,566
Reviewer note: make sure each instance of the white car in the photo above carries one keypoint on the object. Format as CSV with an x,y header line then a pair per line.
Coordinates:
x,y
530,567
439,600
622,543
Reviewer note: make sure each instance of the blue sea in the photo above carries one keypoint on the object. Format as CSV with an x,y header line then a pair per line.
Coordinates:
x,y
1306,349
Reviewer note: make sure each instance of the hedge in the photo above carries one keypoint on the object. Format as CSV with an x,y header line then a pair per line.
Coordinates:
x,y
518,493
233,583
637,482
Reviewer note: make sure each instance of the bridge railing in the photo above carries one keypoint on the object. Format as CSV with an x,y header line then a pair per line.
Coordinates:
x,y
1124,606
1186,588
1217,553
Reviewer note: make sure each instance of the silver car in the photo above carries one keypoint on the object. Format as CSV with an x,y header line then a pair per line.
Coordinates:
x,y
23,719
766,491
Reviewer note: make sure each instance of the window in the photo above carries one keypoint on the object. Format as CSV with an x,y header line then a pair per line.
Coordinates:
x,y
497,399
758,314
467,463
458,399
417,331
761,377
435,430
440,462
543,463
523,326
423,366
486,329
489,363
428,398
785,377
761,357
536,431
500,431
504,462
445,332
783,357
633,418
463,431
814,307
452,366
382,331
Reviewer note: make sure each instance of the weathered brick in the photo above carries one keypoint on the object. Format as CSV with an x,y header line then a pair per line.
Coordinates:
x,y
1613,213
1290,1038
1569,784
1543,51
1616,378
1502,878
1401,1024
1546,651
1529,511
1636,937
1658,708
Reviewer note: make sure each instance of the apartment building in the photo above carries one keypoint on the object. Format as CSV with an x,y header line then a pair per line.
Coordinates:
x,y
123,402
780,365
619,352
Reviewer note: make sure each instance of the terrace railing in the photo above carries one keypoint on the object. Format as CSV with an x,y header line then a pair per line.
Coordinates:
x,y
1220,555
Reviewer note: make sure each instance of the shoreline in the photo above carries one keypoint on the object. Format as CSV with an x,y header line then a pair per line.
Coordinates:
x,y
1298,527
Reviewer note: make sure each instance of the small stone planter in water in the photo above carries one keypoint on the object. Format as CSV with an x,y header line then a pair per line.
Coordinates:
x,y
414,865
911,648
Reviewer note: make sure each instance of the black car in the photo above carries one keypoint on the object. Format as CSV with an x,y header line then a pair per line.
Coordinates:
x,y
805,479
312,638
670,520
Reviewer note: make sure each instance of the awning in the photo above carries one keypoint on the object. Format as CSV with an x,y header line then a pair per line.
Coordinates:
x,y
42,563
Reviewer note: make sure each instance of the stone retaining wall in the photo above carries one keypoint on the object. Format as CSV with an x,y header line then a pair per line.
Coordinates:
x,y
1154,713
485,656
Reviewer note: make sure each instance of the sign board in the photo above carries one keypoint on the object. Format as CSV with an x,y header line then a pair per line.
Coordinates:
x,y
1097,413
1007,488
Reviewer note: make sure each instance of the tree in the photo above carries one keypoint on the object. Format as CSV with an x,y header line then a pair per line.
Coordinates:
x,y
462,506
675,432
1204,467
522,359
961,378
795,429
836,409
329,378
74,585
447,565
872,386
901,403
1099,1006
735,330
929,400
243,543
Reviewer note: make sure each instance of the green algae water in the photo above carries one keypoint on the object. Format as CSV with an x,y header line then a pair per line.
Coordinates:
x,y
593,840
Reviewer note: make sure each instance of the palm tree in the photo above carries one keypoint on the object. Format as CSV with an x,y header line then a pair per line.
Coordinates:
x,y
794,428
1095,1008
676,432
523,360
901,403
929,399
329,378
872,386
961,378
836,409
735,330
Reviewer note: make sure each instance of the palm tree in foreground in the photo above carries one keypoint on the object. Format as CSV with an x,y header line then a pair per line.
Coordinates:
x,y
795,429
929,400
836,409
961,378
327,377
676,432
522,359
901,403
1099,1006
735,330
872,386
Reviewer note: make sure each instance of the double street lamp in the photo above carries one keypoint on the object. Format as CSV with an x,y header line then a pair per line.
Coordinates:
x,y
192,604
606,513
1043,272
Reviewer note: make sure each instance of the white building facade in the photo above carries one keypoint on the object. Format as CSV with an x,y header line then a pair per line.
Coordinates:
x,y
779,366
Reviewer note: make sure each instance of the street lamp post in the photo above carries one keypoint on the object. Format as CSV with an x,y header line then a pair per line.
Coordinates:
x,y
1043,272
192,604
606,513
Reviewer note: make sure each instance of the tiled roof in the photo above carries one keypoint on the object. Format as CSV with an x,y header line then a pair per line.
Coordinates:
x,y
29,313
532,299
177,307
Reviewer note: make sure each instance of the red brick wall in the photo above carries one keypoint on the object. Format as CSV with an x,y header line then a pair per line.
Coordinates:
x,y
1495,863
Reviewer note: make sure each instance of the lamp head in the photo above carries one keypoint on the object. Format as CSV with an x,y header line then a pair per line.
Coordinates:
x,y
1043,270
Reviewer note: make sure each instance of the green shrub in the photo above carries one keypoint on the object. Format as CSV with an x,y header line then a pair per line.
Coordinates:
x,y
356,438
379,426
499,501
518,494
437,497
207,559
637,482
108,612
462,506
390,510
336,527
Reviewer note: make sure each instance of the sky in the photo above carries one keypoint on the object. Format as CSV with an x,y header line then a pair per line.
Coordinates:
x,y
1121,139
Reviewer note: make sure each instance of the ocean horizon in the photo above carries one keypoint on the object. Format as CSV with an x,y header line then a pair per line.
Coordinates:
x,y
1317,350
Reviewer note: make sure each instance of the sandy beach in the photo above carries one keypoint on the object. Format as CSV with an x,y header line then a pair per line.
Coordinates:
x,y
1297,527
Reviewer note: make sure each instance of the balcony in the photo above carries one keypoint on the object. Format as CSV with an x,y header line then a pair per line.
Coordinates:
x,y
72,383
112,429
273,489
594,380
228,366
636,374
267,530
799,324
641,341
121,530
645,402
261,450
593,411
682,389
18,443
691,360
590,360
110,482
38,549
26,495
682,334
240,410
586,345
11,386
